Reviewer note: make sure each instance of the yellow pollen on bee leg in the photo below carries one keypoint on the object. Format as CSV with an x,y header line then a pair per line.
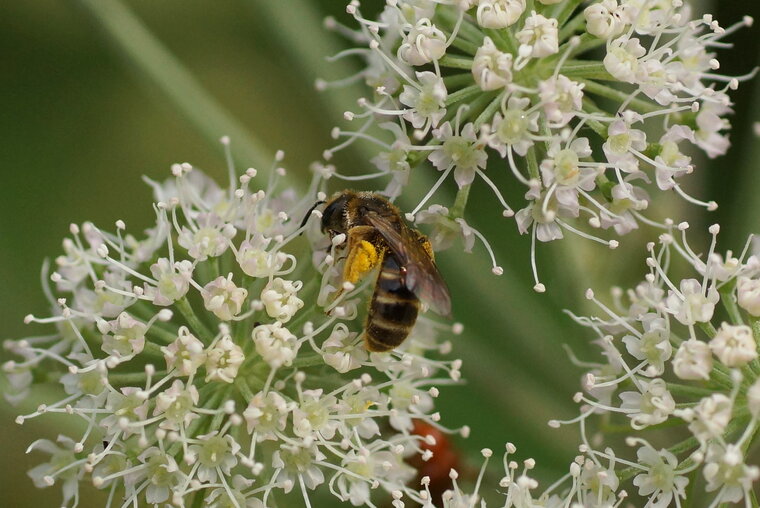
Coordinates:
x,y
362,259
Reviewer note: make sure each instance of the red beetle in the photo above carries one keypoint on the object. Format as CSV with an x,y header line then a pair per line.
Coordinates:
x,y
437,468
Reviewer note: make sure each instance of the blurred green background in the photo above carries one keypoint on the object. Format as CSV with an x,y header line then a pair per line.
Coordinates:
x,y
79,125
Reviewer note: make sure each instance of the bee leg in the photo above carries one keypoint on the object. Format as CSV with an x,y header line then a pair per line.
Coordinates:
x,y
361,260
362,255
425,243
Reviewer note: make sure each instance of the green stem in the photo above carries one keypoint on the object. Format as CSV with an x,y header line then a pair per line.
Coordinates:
x,y
588,42
458,80
696,391
465,46
466,30
244,388
729,302
456,62
133,378
586,70
489,111
598,127
165,72
616,95
574,25
463,94
194,321
308,360
755,324
532,163
164,336
460,202
564,10
502,39
151,348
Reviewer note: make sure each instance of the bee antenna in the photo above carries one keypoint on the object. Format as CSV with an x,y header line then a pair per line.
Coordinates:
x,y
308,214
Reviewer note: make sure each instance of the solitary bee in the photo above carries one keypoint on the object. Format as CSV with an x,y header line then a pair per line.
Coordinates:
x,y
378,235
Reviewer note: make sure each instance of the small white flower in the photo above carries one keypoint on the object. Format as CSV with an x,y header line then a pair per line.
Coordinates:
x,y
600,483
671,162
102,302
256,261
463,151
540,34
276,345
423,44
211,239
223,360
312,415
734,345
491,68
238,496
266,415
61,457
542,216
128,406
185,354
753,399
693,360
280,300
513,128
176,405
160,471
499,13
562,98
356,401
124,336
654,344
726,470
622,60
748,295
562,169
603,19
650,407
298,463
341,352
222,297
215,455
407,399
660,479
692,304
626,199
710,417
427,103
173,281
622,140
445,229
720,268
710,121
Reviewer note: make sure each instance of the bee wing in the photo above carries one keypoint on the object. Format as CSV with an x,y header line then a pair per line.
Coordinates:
x,y
422,276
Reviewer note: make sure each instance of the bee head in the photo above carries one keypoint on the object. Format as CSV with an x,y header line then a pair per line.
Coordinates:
x,y
334,216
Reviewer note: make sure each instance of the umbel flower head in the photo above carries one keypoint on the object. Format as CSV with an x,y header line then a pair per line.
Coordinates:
x,y
677,353
211,362
591,106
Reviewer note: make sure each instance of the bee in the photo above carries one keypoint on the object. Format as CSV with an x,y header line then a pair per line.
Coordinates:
x,y
377,235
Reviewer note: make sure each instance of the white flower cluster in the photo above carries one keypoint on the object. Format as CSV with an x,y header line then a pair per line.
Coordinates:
x,y
462,82
677,353
212,365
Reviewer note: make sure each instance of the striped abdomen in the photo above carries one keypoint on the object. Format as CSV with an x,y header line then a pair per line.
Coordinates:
x,y
393,309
